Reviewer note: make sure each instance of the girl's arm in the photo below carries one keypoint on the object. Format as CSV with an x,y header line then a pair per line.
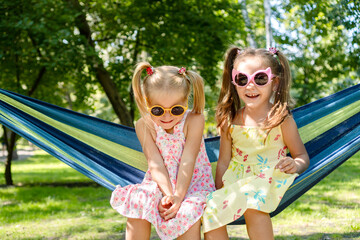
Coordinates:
x,y
157,168
193,133
300,158
224,156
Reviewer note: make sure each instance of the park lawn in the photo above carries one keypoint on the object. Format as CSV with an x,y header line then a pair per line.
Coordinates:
x,y
53,201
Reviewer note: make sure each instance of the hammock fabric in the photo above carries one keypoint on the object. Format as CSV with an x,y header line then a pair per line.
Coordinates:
x,y
110,154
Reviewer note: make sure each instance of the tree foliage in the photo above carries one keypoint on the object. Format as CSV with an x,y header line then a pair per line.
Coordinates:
x,y
38,49
322,40
43,47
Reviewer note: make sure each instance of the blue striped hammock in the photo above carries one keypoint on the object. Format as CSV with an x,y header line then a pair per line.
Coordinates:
x,y
110,154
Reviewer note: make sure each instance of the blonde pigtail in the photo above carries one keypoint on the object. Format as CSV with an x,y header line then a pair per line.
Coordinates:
x,y
197,83
136,85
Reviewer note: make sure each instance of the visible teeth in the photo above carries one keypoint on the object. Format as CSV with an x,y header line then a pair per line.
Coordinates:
x,y
252,95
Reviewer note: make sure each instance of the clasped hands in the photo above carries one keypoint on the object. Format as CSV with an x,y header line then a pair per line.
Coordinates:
x,y
169,206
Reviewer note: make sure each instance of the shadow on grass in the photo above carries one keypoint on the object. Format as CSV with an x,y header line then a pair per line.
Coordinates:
x,y
69,233
314,236
55,184
321,236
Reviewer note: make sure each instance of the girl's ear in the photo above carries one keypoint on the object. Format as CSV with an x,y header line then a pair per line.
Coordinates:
x,y
275,84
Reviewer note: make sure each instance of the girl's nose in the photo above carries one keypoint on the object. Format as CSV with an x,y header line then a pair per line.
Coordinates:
x,y
250,85
167,114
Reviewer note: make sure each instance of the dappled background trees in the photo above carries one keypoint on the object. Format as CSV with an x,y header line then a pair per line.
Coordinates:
x,y
81,54
82,51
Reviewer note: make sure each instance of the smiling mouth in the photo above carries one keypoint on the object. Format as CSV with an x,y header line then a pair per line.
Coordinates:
x,y
249,95
166,122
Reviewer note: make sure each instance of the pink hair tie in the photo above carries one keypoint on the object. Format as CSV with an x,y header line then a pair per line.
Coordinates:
x,y
182,71
150,70
273,50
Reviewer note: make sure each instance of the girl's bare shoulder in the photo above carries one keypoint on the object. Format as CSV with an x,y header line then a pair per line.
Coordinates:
x,y
194,122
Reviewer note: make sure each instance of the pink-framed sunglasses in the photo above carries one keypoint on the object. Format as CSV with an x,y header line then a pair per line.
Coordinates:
x,y
259,78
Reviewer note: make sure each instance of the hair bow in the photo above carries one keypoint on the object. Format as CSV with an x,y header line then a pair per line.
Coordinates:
x,y
273,50
150,70
182,71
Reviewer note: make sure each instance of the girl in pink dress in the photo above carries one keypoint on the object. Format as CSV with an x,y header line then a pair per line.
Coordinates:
x,y
173,193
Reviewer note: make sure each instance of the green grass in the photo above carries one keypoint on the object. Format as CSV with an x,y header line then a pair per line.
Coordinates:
x,y
53,201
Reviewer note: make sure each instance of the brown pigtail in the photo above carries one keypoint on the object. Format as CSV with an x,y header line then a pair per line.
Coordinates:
x,y
285,79
229,101
282,102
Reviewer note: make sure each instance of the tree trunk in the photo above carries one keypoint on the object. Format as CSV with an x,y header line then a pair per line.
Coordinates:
x,y
114,97
42,70
131,92
10,144
37,81
269,37
68,98
248,28
102,74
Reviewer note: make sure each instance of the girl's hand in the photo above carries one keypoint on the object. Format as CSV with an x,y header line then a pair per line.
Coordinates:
x,y
174,202
287,165
163,206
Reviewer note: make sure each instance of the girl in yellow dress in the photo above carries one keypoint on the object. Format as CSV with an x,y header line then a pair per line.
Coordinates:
x,y
253,171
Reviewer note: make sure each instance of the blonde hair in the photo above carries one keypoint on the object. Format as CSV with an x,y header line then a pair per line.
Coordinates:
x,y
167,78
229,102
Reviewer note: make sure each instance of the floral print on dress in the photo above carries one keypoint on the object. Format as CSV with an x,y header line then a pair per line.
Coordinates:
x,y
141,200
253,183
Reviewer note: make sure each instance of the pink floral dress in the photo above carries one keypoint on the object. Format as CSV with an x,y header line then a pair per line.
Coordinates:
x,y
142,200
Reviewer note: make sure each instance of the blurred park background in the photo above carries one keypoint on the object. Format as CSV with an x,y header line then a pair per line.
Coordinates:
x,y
81,55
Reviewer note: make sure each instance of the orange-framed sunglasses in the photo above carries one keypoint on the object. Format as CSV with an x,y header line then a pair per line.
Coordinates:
x,y
176,110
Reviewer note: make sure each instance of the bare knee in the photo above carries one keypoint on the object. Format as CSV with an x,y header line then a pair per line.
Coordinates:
x,y
254,219
255,215
217,234
132,229
193,233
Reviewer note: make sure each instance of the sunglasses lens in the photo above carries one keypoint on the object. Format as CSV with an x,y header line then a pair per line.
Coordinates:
x,y
241,79
178,110
261,78
157,111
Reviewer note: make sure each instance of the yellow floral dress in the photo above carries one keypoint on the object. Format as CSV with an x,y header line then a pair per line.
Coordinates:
x,y
251,180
